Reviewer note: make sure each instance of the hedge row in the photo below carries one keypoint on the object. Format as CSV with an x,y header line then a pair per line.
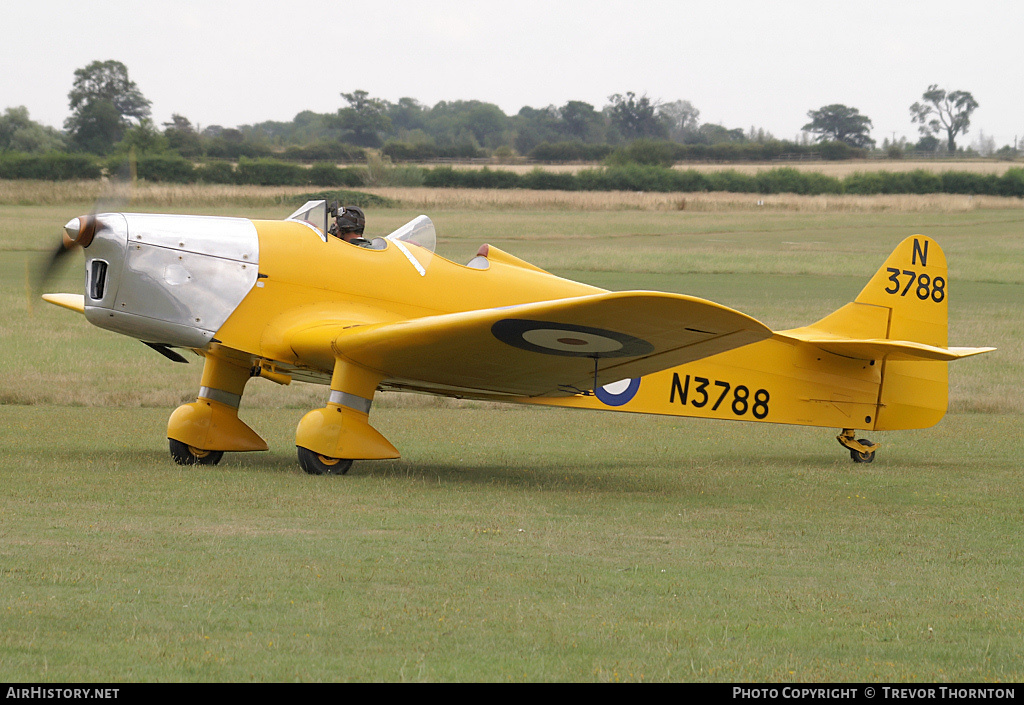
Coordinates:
x,y
425,152
325,151
665,152
56,166
783,180
175,169
261,172
570,152
269,172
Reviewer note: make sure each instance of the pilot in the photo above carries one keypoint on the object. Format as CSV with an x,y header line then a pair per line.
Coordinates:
x,y
349,224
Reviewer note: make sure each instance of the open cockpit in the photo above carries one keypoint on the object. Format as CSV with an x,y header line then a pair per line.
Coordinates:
x,y
316,215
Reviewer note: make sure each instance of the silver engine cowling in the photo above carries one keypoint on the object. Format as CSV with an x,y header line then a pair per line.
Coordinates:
x,y
169,279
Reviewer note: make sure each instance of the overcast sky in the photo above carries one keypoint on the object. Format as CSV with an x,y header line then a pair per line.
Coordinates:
x,y
742,64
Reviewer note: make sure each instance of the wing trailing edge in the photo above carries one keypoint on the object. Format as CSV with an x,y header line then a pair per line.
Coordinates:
x,y
550,347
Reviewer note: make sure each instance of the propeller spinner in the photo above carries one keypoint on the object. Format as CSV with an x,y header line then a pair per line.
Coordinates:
x,y
80,231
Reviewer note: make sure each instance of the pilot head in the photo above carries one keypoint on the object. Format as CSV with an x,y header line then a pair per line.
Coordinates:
x,y
350,223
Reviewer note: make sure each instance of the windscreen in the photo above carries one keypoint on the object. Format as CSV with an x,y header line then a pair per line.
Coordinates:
x,y
313,213
417,240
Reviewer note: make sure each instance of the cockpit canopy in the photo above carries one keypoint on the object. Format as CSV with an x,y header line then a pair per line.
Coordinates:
x,y
418,231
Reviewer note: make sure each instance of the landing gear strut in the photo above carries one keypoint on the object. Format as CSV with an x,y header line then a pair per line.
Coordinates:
x,y
861,449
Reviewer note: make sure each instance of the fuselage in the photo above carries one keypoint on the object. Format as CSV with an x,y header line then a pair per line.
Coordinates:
x,y
257,289
193,281
303,279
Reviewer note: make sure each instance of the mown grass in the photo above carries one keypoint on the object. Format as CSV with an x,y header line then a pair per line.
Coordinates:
x,y
522,544
645,549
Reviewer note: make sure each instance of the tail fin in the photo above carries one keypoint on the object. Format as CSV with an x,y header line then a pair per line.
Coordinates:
x,y
914,285
900,321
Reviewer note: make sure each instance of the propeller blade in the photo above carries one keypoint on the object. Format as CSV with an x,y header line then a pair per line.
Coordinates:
x,y
80,231
48,266
165,351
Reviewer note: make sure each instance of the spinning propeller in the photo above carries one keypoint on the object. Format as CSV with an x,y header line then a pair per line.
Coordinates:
x,y
79,233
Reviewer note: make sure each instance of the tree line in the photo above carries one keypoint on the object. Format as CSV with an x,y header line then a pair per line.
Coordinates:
x,y
111,116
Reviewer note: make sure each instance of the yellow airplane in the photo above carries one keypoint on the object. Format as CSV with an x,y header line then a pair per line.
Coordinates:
x,y
285,300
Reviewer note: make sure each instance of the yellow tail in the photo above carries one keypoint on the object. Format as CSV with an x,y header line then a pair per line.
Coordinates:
x,y
899,320
878,363
914,285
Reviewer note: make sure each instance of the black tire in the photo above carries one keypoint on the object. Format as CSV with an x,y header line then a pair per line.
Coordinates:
x,y
316,464
185,454
859,457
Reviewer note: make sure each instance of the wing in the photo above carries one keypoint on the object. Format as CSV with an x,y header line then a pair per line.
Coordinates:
x,y
546,348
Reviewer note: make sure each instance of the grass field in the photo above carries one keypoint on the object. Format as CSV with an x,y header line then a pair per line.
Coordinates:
x,y
523,544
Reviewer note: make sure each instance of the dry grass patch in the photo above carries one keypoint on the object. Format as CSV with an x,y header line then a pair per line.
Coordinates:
x,y
153,196
838,169
842,169
143,193
509,199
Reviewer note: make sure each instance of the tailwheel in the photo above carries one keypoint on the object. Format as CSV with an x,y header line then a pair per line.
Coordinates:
x,y
861,449
858,456
316,464
185,454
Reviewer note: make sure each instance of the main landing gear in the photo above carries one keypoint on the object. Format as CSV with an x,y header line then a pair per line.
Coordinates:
x,y
313,463
861,449
185,454
328,439
316,464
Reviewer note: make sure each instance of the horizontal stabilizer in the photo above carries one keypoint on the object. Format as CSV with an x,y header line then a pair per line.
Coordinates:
x,y
881,349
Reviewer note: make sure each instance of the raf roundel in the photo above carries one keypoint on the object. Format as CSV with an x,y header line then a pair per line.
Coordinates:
x,y
568,340
618,393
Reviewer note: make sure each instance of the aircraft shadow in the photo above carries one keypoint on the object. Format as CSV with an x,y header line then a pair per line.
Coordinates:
x,y
613,475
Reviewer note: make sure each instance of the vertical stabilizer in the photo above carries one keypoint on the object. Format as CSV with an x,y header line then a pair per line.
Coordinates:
x,y
913,285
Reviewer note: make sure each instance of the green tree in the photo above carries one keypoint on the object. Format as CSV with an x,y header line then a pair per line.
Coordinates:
x,y
536,125
182,137
944,111
144,138
681,118
103,103
839,123
635,117
488,123
580,121
19,133
710,133
407,114
464,123
365,119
